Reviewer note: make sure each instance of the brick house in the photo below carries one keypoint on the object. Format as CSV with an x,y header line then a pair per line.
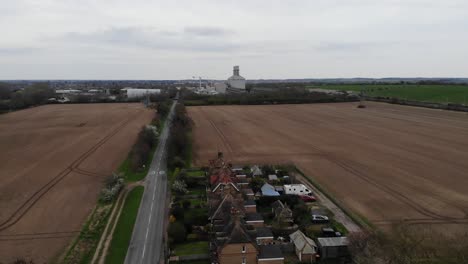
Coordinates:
x,y
235,245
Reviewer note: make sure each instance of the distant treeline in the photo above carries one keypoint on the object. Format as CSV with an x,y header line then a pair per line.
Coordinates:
x,y
35,94
296,95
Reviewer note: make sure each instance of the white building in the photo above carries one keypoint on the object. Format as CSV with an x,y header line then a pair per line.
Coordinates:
x,y
296,189
220,87
236,83
136,93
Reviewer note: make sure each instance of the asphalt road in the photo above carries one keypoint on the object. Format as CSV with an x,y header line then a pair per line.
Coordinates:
x,y
146,245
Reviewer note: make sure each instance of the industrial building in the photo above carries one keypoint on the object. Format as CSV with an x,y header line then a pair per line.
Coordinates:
x,y
236,83
139,93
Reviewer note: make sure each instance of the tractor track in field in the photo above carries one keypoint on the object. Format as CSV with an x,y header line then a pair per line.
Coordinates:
x,y
39,235
398,195
73,167
221,135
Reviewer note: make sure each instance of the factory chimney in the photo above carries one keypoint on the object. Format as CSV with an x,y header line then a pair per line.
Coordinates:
x,y
236,71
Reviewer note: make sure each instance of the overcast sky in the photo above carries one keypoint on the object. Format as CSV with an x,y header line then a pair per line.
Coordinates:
x,y
178,39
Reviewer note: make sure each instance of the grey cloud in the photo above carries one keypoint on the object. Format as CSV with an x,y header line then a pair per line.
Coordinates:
x,y
207,31
17,50
152,38
350,46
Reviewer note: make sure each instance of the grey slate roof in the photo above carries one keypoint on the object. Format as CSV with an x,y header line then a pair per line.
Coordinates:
x,y
264,232
253,217
332,241
270,252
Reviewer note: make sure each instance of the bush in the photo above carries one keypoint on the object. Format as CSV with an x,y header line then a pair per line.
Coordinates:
x,y
178,162
113,186
179,187
177,232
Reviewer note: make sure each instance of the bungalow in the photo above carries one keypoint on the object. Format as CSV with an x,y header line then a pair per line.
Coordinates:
x,y
269,190
306,249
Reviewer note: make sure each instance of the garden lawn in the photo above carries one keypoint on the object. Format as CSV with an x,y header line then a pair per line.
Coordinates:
x,y
200,247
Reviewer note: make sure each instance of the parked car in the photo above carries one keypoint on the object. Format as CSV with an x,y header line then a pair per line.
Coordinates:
x,y
307,198
319,219
328,232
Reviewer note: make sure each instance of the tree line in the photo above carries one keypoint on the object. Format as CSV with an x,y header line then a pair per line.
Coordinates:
x,y
179,151
35,94
290,95
408,244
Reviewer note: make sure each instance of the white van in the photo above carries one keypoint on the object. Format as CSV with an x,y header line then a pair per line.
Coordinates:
x,y
297,189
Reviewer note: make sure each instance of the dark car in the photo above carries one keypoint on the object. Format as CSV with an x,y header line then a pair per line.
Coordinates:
x,y
307,198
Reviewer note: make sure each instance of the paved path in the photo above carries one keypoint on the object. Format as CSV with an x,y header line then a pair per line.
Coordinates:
x,y
147,239
340,216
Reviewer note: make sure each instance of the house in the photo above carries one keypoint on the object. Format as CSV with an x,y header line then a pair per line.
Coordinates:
x,y
333,247
269,190
223,181
306,249
256,171
254,219
236,245
264,236
250,206
220,212
282,212
270,254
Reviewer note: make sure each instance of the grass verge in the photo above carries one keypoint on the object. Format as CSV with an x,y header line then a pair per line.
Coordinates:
x,y
361,221
123,230
83,248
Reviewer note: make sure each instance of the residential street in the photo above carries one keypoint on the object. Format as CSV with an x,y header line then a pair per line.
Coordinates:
x,y
146,245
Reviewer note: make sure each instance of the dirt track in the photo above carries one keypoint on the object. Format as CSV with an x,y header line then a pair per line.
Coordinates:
x,y
385,162
54,161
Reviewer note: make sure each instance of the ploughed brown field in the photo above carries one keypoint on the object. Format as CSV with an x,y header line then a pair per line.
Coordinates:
x,y
385,162
54,160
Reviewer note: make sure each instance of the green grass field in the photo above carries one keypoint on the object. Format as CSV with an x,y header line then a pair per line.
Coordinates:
x,y
426,93
123,230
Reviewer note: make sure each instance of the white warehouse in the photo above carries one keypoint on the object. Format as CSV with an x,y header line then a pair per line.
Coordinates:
x,y
137,93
